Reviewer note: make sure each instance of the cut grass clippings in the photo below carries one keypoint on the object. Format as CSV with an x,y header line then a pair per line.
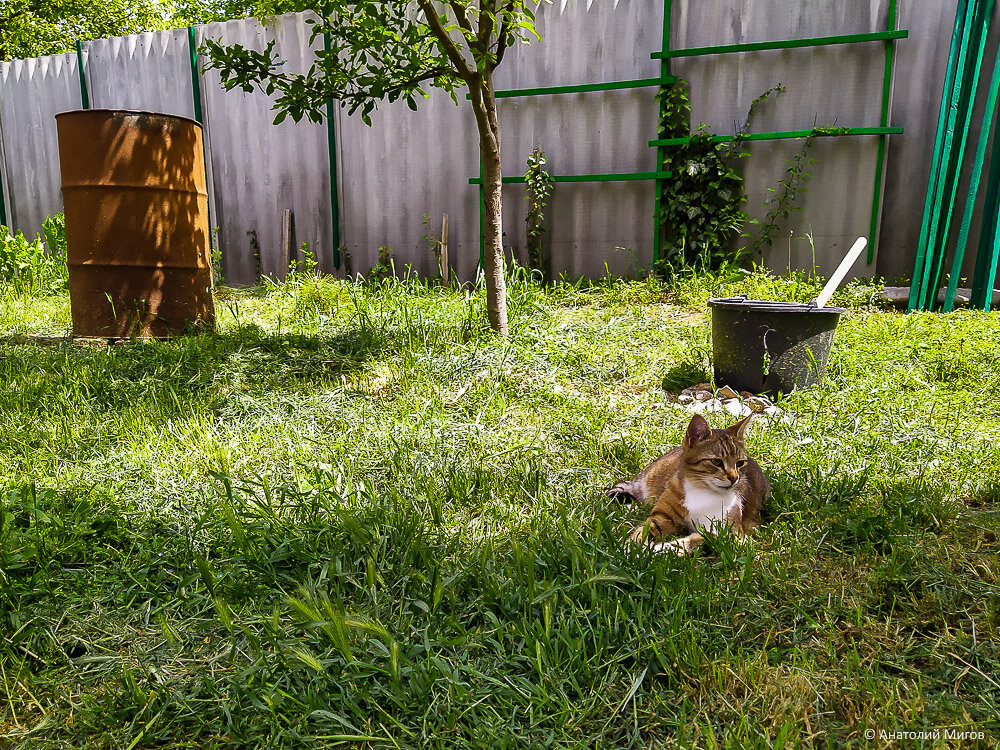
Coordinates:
x,y
353,517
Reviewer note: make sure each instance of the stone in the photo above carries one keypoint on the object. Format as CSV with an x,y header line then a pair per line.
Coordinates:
x,y
725,392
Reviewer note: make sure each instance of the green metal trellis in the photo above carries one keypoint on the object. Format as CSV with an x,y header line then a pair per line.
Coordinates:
x,y
889,37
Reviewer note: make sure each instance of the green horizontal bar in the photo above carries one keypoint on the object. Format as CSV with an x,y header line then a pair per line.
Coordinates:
x,y
779,135
816,41
620,177
636,83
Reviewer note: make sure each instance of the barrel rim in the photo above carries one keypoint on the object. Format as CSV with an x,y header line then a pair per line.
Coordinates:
x,y
742,302
128,112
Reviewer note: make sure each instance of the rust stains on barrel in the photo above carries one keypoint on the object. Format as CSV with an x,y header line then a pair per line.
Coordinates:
x,y
136,205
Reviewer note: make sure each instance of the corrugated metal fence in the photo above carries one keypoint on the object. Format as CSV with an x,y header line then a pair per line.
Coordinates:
x,y
409,165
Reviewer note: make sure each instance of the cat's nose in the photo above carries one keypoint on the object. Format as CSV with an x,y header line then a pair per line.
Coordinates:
x,y
733,477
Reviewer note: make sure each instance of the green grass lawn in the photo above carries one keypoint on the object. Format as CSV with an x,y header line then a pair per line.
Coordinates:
x,y
354,517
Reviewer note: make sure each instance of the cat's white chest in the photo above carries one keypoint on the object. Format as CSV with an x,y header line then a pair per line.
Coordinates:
x,y
708,507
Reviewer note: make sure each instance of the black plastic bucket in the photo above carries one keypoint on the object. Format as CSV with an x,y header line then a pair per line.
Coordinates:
x,y
770,347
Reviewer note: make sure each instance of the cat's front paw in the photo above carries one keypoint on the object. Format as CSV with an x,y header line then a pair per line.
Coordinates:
x,y
685,545
640,534
674,546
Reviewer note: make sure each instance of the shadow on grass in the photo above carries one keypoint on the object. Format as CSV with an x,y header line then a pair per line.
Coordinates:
x,y
684,375
61,371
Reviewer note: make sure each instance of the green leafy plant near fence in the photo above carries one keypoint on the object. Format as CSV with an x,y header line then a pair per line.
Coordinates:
x,y
701,207
35,266
539,186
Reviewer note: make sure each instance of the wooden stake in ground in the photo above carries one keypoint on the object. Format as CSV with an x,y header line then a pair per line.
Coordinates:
x,y
288,249
444,250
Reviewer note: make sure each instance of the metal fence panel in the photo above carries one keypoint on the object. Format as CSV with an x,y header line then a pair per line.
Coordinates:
x,y
31,93
404,167
409,165
260,169
144,71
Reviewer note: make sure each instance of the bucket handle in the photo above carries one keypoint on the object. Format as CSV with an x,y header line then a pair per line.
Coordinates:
x,y
841,272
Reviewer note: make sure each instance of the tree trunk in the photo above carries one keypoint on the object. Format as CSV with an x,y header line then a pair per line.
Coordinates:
x,y
485,107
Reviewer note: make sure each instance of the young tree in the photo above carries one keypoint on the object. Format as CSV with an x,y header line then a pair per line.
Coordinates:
x,y
387,50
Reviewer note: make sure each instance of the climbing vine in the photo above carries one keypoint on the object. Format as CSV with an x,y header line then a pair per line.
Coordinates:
x,y
782,199
539,188
701,205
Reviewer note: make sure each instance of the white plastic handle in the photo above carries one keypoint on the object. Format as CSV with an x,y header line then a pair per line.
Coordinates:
x,y
845,265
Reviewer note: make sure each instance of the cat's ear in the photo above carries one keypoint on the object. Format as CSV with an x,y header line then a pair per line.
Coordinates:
x,y
697,431
738,429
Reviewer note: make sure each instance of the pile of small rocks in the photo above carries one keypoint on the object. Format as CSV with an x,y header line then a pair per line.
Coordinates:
x,y
703,398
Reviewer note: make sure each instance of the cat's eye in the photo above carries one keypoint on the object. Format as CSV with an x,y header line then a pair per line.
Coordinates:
x,y
717,462
740,464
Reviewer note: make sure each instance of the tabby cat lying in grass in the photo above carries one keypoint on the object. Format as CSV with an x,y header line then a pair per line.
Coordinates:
x,y
705,483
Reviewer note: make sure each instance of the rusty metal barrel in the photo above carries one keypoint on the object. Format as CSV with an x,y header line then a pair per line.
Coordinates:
x,y
136,203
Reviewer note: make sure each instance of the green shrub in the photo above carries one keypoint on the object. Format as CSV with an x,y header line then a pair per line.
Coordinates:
x,y
35,267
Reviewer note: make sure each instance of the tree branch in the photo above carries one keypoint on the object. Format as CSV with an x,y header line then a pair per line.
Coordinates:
x,y
461,15
487,21
426,76
501,42
454,54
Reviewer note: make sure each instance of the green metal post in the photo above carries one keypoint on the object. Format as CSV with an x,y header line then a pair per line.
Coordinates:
x,y
970,200
977,40
195,78
658,185
931,206
331,141
986,262
883,122
3,205
199,116
989,238
83,76
990,273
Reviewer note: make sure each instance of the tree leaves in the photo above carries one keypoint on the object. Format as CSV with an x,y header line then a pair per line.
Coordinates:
x,y
31,29
379,50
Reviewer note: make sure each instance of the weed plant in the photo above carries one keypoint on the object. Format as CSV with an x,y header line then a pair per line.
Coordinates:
x,y
354,517
34,267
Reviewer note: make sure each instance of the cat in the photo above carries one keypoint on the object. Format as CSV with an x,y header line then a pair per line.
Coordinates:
x,y
706,482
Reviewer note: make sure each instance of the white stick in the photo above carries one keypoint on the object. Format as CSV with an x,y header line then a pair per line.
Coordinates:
x,y
841,272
